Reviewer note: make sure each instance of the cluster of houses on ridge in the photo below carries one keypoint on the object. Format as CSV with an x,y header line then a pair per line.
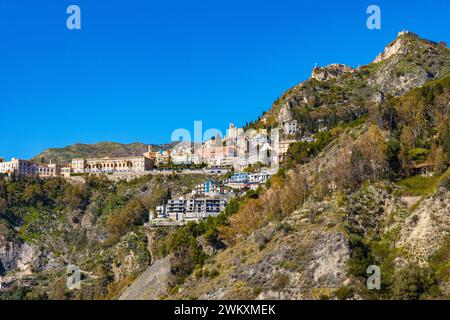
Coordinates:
x,y
235,151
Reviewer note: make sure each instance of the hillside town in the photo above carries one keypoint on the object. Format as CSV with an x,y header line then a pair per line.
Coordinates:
x,y
226,158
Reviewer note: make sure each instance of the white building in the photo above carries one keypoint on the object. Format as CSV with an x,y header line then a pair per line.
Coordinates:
x,y
163,157
195,209
243,179
182,153
29,168
66,171
161,212
280,149
17,167
258,178
291,127
233,135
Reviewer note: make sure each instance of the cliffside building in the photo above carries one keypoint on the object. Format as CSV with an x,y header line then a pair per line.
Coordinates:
x,y
112,165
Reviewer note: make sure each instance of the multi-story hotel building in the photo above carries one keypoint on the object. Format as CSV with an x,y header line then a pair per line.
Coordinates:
x,y
112,165
18,167
29,168
195,209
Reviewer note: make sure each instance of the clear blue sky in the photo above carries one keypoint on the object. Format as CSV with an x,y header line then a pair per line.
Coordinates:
x,y
139,69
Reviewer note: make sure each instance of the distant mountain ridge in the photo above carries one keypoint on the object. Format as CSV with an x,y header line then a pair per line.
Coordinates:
x,y
101,149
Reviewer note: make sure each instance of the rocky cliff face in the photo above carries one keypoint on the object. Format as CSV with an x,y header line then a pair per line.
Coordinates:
x,y
333,71
21,259
397,47
338,91
152,284
409,62
424,231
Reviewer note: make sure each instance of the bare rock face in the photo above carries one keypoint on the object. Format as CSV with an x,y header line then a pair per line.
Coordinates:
x,y
395,48
378,97
16,260
329,260
397,85
426,228
332,71
9,255
285,114
409,62
21,259
152,284
18,257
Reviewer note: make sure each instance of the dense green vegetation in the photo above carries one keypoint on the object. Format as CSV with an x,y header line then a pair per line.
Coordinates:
x,y
303,151
95,225
102,149
418,127
418,185
418,123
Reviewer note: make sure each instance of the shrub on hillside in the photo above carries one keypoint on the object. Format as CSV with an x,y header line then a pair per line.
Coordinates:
x,y
413,283
122,221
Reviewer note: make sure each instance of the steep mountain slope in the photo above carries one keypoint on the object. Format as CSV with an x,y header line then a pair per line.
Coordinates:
x,y
313,233
339,93
353,198
46,225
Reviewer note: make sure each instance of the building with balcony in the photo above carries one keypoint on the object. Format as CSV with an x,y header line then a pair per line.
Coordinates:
x,y
17,167
28,168
112,165
193,209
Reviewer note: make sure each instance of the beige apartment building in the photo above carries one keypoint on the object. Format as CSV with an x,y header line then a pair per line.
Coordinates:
x,y
29,168
18,167
48,170
112,165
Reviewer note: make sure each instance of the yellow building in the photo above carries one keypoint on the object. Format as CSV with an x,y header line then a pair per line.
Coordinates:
x,y
112,165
